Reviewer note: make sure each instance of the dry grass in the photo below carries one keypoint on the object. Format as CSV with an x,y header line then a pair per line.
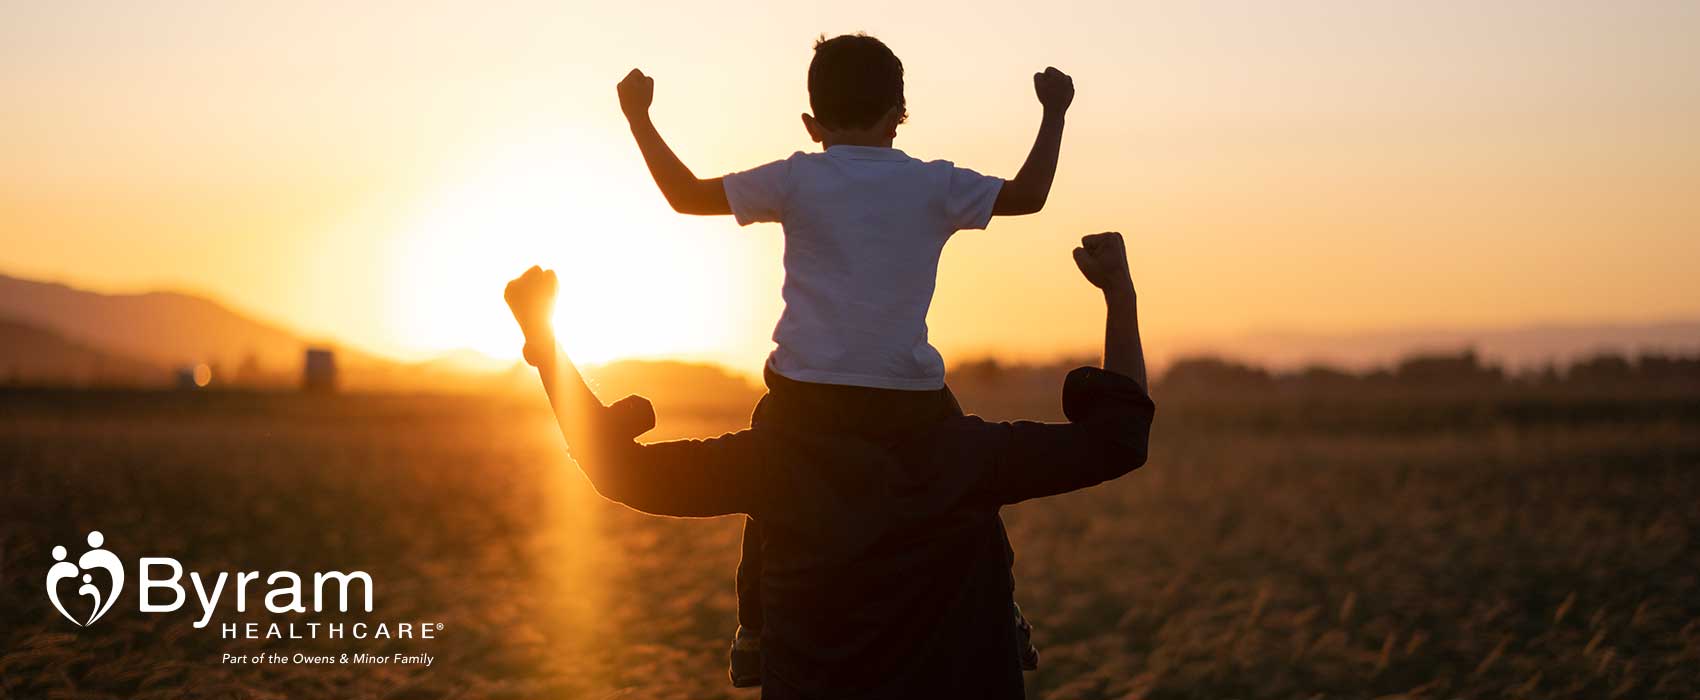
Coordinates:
x,y
1251,558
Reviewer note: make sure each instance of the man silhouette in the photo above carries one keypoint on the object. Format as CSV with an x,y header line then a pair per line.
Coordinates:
x,y
886,569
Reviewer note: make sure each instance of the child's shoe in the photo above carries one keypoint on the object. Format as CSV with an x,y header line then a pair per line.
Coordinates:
x,y
1024,640
745,658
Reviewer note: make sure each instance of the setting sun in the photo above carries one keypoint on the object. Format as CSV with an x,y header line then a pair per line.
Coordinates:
x,y
546,201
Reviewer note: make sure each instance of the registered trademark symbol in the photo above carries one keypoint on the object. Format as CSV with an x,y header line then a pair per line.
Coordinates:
x,y
439,625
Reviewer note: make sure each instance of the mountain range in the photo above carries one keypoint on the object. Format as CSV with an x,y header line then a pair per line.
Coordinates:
x,y
162,328
54,334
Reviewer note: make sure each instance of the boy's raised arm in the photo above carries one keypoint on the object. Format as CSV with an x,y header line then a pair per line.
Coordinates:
x,y
683,190
1026,193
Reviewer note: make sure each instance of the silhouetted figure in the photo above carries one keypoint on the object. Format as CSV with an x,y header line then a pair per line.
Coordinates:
x,y
864,226
886,569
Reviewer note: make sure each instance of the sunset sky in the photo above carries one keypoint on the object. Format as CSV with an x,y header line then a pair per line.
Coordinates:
x,y
374,172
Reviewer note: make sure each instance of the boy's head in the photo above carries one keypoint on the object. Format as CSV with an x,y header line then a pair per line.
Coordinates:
x,y
855,90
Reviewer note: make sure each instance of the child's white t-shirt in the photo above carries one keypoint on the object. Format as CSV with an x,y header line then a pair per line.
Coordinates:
x,y
864,227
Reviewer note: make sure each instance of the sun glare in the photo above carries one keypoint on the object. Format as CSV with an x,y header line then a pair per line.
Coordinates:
x,y
634,280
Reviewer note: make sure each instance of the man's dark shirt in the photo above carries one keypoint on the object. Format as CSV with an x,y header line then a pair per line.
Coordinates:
x,y
887,572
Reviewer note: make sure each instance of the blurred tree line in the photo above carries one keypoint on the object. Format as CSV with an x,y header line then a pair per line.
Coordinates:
x,y
1006,390
1464,369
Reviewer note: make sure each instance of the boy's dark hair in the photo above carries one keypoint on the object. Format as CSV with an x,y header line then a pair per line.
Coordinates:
x,y
854,80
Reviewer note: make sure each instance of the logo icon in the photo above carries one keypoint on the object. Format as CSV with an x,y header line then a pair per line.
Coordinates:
x,y
95,558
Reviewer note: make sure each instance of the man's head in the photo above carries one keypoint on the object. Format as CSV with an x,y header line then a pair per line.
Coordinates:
x,y
856,92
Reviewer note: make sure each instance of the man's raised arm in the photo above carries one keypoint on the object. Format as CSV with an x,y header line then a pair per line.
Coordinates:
x,y
1109,410
685,478
683,190
1102,258
591,429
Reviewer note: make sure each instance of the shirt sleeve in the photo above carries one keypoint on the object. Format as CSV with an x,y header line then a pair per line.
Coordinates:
x,y
679,478
800,481
1107,436
682,478
759,194
969,197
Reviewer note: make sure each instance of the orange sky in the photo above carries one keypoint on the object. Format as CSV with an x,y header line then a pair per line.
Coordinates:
x,y
375,174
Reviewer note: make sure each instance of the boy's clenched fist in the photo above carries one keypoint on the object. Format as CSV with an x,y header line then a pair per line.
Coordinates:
x,y
1055,89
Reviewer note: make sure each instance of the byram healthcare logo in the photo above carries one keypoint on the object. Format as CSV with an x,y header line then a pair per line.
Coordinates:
x,y
162,587
95,558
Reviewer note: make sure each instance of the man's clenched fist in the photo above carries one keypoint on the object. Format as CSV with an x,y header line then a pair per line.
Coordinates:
x,y
1102,258
531,298
637,91
1055,89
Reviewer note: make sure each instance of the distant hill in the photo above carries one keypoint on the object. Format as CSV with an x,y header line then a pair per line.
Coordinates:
x,y
54,334
33,355
164,328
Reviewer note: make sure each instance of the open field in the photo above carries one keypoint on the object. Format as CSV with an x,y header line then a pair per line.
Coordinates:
x,y
1543,547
